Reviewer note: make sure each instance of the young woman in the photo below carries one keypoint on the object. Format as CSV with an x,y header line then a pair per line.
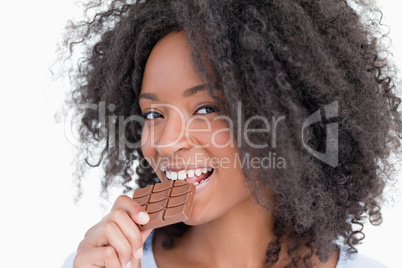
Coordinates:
x,y
282,113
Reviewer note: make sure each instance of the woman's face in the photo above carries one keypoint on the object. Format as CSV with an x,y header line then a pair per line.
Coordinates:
x,y
183,134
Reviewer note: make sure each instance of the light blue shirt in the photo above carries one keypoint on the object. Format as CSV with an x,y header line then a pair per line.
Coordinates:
x,y
354,261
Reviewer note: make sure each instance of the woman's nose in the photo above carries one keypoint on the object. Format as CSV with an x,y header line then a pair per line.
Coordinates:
x,y
173,136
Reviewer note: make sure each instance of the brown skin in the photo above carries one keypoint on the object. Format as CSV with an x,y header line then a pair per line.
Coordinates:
x,y
228,228
277,58
116,239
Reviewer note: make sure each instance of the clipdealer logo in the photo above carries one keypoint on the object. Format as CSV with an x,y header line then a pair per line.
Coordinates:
x,y
330,156
327,115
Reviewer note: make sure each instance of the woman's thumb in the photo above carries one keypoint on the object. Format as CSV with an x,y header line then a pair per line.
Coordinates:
x,y
134,263
145,234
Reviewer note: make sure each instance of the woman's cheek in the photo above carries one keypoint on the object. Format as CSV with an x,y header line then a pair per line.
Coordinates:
x,y
210,134
222,136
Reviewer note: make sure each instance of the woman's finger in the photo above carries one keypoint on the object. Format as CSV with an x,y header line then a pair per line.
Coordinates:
x,y
136,212
134,263
129,229
118,231
123,202
97,257
145,234
110,235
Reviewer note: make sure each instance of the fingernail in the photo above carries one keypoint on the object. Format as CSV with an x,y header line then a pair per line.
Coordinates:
x,y
138,254
143,216
128,265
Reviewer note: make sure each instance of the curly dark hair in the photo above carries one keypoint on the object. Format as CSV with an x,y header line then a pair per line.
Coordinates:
x,y
288,57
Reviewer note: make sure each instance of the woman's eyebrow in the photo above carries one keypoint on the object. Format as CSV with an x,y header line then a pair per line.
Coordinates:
x,y
192,90
189,92
149,96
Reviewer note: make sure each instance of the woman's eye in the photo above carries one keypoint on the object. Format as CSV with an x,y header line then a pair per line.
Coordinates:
x,y
207,109
151,115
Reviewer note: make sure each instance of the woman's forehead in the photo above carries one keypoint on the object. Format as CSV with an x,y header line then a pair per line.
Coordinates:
x,y
170,64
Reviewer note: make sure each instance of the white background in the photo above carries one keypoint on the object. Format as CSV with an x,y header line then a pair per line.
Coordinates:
x,y
40,225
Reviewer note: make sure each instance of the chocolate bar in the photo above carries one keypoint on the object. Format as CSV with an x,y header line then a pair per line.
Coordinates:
x,y
166,202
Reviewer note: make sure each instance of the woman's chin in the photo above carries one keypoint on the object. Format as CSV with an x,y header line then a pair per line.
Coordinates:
x,y
194,221
197,218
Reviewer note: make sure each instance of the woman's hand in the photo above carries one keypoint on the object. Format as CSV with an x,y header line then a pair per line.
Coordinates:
x,y
116,239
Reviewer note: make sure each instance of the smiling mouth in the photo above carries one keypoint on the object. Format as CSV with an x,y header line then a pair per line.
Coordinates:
x,y
195,176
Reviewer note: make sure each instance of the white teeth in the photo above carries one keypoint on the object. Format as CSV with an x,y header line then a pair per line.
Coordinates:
x,y
196,183
197,172
173,175
182,175
190,173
